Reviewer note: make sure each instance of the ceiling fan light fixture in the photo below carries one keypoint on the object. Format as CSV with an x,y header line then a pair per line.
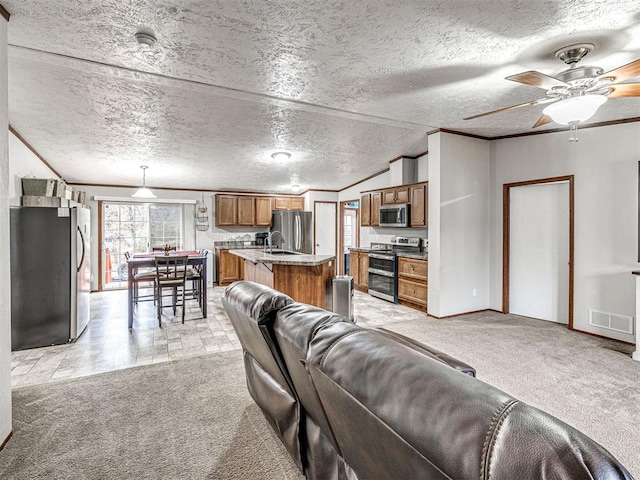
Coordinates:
x,y
281,156
574,109
143,192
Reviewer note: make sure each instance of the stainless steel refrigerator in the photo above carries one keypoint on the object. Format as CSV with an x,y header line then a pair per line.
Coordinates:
x,y
50,275
295,228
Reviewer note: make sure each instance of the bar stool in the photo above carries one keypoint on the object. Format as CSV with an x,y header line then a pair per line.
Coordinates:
x,y
142,276
171,272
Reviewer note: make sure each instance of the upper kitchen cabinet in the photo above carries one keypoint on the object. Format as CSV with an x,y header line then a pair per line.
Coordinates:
x,y
289,203
376,199
246,211
365,210
419,202
251,211
264,206
226,210
395,195
370,209
414,194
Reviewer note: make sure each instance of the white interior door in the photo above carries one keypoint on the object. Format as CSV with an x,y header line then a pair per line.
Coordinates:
x,y
539,251
325,227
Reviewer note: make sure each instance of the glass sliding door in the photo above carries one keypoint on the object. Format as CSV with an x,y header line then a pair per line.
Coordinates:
x,y
135,228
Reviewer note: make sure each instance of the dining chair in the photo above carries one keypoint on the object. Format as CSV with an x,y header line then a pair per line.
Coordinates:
x,y
145,275
195,276
171,273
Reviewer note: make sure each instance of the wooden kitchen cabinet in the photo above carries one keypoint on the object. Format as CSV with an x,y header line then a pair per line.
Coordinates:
x,y
414,194
251,211
418,198
246,211
359,270
264,206
376,198
365,210
412,283
289,203
230,267
226,210
395,195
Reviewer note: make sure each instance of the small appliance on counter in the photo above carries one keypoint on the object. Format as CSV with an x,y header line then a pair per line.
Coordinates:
x,y
261,238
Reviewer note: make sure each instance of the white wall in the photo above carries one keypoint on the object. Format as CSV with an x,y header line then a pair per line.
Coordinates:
x,y
5,284
23,163
605,164
458,224
422,168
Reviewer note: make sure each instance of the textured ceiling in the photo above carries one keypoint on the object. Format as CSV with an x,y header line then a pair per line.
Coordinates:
x,y
345,86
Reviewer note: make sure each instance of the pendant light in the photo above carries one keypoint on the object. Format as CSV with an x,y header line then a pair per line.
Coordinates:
x,y
143,192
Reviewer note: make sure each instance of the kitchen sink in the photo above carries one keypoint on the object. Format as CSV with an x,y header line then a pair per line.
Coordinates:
x,y
283,252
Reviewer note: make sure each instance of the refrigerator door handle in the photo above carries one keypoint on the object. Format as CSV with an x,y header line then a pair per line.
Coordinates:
x,y
298,233
79,266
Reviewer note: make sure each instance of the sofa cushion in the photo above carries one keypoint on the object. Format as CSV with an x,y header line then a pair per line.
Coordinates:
x,y
430,351
397,413
252,308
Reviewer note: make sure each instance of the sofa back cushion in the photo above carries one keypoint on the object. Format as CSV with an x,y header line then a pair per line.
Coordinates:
x,y
294,328
252,308
397,413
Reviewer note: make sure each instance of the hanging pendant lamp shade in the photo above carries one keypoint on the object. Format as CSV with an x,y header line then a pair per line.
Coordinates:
x,y
143,192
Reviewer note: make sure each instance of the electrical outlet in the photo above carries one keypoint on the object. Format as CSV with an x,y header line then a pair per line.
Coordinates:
x,y
474,292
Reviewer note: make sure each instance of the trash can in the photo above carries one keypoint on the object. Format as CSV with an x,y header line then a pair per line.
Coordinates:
x,y
342,293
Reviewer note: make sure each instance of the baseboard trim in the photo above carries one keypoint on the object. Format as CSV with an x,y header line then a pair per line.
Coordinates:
x,y
463,313
602,336
6,440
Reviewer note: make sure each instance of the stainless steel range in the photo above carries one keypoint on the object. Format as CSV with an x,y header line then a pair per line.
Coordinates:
x,y
383,267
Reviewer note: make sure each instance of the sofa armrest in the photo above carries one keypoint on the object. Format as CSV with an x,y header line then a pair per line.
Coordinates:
x,y
430,351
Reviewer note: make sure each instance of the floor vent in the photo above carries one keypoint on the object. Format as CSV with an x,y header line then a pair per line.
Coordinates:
x,y
610,321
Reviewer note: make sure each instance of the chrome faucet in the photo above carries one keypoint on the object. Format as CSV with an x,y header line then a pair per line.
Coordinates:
x,y
270,241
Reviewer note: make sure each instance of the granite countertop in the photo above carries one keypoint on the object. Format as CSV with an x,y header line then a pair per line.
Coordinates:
x,y
260,256
417,256
234,245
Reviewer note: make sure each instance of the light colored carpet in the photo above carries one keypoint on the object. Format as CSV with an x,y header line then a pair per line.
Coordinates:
x,y
186,419
588,382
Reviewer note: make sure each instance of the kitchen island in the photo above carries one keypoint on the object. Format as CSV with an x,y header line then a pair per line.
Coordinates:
x,y
305,278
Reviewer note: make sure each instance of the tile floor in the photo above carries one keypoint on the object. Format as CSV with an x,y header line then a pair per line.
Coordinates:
x,y
107,344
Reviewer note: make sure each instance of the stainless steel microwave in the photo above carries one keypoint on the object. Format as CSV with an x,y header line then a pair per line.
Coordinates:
x,y
394,215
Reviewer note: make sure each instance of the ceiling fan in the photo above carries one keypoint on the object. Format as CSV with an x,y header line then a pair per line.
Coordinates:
x,y
576,93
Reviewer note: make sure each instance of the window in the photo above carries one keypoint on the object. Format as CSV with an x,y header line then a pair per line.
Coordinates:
x,y
135,228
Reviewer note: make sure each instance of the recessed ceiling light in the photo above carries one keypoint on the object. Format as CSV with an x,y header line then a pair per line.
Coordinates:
x,y
146,38
281,156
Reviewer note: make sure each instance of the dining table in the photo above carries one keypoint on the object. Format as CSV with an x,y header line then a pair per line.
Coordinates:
x,y
146,260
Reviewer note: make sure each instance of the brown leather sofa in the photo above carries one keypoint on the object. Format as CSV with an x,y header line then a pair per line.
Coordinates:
x,y
355,403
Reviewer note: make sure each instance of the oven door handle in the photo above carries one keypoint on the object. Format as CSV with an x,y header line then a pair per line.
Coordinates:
x,y
380,272
382,257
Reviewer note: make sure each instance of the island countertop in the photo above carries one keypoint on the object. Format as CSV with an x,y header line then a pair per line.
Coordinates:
x,y
260,256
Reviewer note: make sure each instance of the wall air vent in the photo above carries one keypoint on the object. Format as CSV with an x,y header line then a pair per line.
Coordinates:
x,y
611,321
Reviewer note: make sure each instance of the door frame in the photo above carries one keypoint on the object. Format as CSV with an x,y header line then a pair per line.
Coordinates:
x,y
506,224
341,233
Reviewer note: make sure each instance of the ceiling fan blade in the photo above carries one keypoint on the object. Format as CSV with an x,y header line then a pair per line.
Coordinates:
x,y
544,119
625,72
537,79
622,90
534,102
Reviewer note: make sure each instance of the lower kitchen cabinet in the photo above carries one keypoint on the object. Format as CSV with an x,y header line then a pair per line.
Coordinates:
x,y
230,267
359,270
412,283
